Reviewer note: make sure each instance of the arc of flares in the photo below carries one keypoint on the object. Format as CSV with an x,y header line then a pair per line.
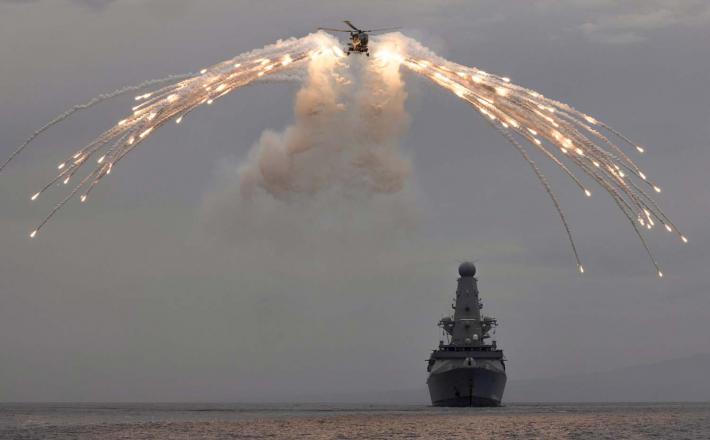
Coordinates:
x,y
557,130
561,133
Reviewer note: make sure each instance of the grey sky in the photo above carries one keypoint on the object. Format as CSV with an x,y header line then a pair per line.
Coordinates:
x,y
148,293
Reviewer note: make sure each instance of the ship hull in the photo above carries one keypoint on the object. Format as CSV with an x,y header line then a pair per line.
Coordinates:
x,y
467,386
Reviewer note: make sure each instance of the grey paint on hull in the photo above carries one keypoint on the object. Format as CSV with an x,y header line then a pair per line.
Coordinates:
x,y
467,387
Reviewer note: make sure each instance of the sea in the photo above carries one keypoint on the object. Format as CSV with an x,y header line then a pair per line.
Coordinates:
x,y
49,421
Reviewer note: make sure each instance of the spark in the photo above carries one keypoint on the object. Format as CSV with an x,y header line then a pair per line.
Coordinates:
x,y
337,51
387,55
572,140
543,119
77,108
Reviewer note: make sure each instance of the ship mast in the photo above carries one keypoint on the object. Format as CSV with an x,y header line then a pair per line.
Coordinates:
x,y
467,327
467,312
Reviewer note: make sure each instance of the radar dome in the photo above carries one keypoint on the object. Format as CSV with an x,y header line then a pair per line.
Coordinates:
x,y
467,269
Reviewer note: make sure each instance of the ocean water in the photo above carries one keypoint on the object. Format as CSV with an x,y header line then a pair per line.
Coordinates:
x,y
331,421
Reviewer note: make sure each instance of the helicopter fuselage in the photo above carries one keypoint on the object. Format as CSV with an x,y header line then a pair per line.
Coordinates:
x,y
358,37
358,43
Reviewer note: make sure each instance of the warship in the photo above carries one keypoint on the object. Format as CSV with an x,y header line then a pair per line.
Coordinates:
x,y
465,370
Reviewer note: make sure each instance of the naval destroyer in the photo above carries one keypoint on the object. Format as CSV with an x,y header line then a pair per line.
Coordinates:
x,y
466,370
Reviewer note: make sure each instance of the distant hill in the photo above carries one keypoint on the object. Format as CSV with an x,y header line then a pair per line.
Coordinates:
x,y
684,379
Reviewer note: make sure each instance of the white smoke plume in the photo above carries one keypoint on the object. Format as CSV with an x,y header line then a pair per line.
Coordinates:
x,y
337,168
345,136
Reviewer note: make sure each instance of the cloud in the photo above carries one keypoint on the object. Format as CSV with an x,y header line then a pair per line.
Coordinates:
x,y
627,22
623,25
95,5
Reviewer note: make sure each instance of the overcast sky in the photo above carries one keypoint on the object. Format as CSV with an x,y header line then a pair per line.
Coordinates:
x,y
149,292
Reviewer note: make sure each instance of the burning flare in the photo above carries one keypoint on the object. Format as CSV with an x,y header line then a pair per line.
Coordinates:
x,y
527,119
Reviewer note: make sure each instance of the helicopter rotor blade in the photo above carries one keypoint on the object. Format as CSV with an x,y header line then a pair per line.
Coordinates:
x,y
333,30
351,25
383,29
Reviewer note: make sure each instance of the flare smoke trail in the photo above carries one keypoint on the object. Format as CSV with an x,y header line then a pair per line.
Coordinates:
x,y
334,178
569,138
348,120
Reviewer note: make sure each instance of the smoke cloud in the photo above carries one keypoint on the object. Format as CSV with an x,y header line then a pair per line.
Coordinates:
x,y
337,169
345,136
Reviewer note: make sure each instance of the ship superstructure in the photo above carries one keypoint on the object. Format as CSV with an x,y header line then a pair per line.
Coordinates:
x,y
466,370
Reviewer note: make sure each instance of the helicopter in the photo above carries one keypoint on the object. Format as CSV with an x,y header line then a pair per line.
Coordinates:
x,y
358,37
